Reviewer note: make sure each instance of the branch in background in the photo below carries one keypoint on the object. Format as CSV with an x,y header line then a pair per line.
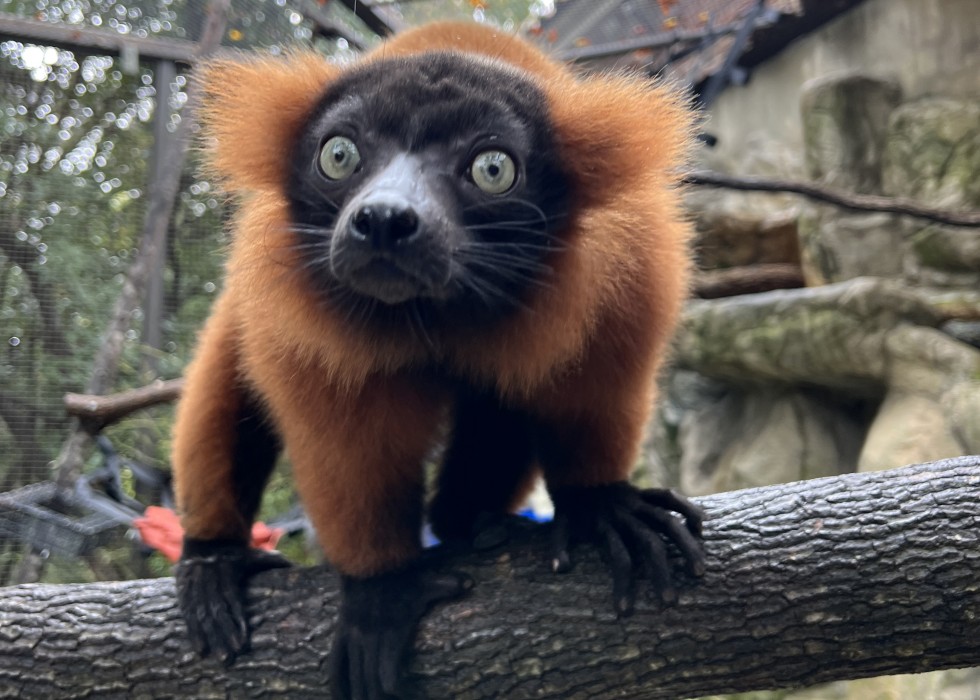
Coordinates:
x,y
847,200
747,279
25,256
96,412
830,579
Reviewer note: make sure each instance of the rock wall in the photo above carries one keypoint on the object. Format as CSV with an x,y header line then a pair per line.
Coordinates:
x,y
876,362
926,47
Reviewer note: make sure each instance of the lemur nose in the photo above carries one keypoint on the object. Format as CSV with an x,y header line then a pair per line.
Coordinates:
x,y
384,224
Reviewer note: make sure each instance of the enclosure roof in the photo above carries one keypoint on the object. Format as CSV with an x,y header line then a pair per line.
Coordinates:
x,y
695,35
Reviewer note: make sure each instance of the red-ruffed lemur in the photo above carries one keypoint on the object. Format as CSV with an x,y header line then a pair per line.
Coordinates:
x,y
452,233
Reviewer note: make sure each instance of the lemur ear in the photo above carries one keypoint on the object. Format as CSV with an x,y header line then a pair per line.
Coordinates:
x,y
252,111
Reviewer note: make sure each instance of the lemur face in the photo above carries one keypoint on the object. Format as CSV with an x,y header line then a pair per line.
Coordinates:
x,y
430,181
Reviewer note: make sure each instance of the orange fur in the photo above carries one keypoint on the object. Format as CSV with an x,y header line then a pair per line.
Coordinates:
x,y
204,441
356,417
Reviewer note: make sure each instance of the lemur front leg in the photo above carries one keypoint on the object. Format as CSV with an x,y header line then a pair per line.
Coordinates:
x,y
486,473
358,462
587,453
224,450
211,580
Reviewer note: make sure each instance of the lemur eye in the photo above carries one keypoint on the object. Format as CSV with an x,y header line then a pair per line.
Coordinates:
x,y
493,172
339,158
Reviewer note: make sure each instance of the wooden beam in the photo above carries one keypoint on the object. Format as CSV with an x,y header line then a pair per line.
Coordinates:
x,y
102,42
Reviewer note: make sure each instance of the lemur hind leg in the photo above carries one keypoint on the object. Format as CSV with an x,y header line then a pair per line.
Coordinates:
x,y
486,472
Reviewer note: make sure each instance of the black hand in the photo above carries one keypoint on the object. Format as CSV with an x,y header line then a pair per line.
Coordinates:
x,y
629,525
211,578
377,624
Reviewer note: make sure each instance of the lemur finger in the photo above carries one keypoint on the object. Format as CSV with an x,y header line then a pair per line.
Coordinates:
x,y
621,565
441,587
263,560
393,646
561,540
691,547
654,553
671,500
340,665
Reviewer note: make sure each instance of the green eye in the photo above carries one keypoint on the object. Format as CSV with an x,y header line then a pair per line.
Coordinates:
x,y
493,172
339,158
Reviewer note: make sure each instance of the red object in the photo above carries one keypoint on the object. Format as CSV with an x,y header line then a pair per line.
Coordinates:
x,y
160,529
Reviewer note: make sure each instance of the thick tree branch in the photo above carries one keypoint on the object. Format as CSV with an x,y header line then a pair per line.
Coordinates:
x,y
858,575
847,200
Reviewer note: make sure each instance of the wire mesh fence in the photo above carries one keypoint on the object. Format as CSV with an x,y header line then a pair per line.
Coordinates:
x,y
82,133
74,155
76,165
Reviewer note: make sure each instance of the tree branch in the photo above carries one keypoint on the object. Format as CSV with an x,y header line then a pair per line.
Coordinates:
x,y
846,577
747,279
98,411
847,200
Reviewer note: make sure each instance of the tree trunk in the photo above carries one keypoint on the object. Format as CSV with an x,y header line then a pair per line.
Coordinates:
x,y
836,578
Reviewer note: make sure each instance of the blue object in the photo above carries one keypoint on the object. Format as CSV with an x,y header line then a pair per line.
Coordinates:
x,y
430,540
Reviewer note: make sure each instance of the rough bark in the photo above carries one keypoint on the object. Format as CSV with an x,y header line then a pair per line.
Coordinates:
x,y
843,577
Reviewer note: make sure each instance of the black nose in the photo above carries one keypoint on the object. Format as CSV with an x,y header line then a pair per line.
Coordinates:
x,y
384,224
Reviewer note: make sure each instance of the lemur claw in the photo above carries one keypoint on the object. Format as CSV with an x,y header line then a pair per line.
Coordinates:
x,y
630,526
211,578
377,624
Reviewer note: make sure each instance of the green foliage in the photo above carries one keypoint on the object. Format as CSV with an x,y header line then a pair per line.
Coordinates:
x,y
76,149
71,142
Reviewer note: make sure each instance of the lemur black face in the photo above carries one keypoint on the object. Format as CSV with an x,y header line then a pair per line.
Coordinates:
x,y
429,185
